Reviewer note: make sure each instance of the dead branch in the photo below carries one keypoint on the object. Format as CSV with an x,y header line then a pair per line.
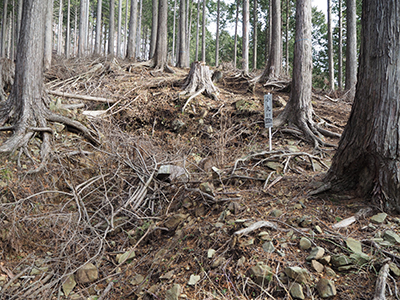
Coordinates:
x,y
380,286
82,97
256,226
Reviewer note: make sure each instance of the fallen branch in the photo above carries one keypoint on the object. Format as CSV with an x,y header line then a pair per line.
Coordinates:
x,y
380,286
82,97
256,226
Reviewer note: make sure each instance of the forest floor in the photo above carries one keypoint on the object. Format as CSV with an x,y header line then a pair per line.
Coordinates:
x,y
157,209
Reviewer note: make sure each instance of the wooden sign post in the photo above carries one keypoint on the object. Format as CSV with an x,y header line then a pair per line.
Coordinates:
x,y
268,116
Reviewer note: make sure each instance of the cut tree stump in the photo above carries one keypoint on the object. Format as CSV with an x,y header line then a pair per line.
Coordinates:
x,y
197,82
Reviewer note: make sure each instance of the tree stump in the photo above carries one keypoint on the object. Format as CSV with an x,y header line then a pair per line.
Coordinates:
x,y
199,81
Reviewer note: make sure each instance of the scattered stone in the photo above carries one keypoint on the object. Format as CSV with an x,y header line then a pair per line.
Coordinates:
x,y
305,243
177,125
261,273
137,279
69,285
326,288
219,261
219,225
37,271
121,258
345,268
340,260
193,279
298,274
264,236
318,229
247,242
306,221
276,213
329,272
379,218
241,261
268,247
317,266
316,253
168,275
210,253
391,237
273,165
325,260
394,269
296,291
171,173
207,187
354,245
174,221
173,293
87,274
360,258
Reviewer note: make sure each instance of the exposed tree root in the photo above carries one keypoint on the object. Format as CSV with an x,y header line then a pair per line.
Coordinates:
x,y
29,122
198,81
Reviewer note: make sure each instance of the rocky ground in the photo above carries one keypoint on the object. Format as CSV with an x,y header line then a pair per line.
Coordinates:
x,y
184,205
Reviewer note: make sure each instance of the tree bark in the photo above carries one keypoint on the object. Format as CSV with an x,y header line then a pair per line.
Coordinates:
x,y
217,37
287,36
60,28
131,51
111,28
236,35
160,61
255,21
367,159
181,63
4,29
351,49
203,34
97,48
68,31
48,35
83,29
274,65
119,28
245,38
340,52
330,48
197,30
154,26
139,29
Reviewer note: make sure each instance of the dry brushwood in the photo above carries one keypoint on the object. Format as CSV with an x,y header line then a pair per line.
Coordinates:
x,y
198,81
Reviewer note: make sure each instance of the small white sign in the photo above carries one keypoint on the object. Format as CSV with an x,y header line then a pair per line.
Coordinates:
x,y
268,110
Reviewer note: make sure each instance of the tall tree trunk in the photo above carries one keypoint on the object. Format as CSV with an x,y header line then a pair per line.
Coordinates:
x,y
111,28
119,28
197,31
160,56
139,28
125,29
4,29
19,16
340,53
83,29
367,159
236,35
351,49
131,52
330,48
245,37
181,63
298,111
75,31
189,35
48,35
97,48
217,37
274,65
154,21
255,33
60,28
203,33
287,36
68,31
174,43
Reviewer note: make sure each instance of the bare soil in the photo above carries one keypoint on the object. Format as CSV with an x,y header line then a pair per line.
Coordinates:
x,y
92,204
